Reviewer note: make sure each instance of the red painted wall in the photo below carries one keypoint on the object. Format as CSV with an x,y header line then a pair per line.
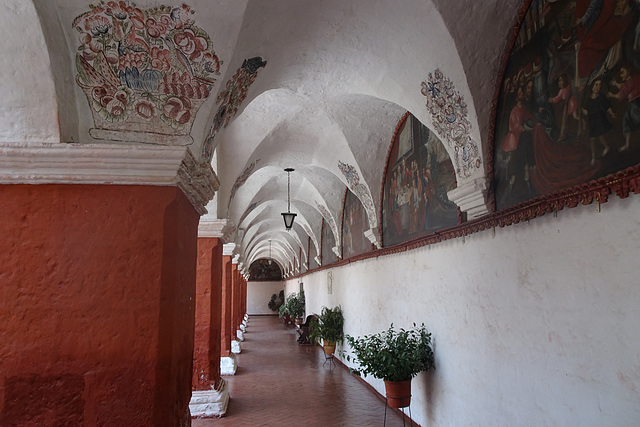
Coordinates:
x,y
97,287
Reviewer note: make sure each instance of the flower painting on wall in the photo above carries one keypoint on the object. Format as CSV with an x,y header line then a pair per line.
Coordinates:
x,y
143,70
419,175
569,107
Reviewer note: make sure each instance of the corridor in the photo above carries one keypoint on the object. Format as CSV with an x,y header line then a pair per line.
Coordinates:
x,y
280,383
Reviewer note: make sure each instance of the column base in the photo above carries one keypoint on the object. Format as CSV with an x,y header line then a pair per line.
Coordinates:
x,y
240,334
228,365
210,403
236,347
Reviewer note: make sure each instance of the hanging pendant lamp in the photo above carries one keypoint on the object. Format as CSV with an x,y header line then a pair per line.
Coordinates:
x,y
270,259
288,216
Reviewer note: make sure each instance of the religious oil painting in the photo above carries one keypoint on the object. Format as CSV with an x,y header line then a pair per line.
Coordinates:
x,y
328,243
262,270
354,224
569,104
419,175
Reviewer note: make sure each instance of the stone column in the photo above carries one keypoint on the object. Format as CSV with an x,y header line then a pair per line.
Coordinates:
x,y
210,395
97,282
236,337
98,287
228,363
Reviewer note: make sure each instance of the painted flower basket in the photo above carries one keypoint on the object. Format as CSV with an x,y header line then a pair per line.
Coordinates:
x,y
145,72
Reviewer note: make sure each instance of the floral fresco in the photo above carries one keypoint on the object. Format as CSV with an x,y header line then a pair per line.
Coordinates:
x,y
569,106
230,99
419,175
354,224
246,173
449,117
353,180
144,70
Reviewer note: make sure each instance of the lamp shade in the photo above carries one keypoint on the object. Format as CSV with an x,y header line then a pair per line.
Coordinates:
x,y
288,219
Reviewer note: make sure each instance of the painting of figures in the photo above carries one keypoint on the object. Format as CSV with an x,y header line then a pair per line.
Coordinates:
x,y
354,224
419,175
328,243
569,105
261,270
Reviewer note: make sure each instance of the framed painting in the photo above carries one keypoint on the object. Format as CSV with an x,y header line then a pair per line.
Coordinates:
x,y
327,245
415,201
569,104
261,270
354,224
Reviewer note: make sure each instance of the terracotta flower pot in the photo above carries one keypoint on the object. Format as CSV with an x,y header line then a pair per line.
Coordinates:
x,y
398,393
329,347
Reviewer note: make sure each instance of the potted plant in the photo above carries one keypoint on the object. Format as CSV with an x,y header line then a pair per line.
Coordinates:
x,y
328,327
395,357
276,301
283,313
295,305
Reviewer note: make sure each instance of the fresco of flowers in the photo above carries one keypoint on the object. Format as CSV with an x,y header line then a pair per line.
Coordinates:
x,y
230,99
449,117
246,173
360,190
144,65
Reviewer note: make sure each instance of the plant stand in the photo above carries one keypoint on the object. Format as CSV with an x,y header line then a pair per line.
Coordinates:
x,y
328,358
403,414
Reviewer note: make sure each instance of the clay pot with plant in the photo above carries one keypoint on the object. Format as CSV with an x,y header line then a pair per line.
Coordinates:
x,y
328,327
395,357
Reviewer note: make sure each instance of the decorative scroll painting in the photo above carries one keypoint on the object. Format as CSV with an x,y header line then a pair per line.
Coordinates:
x,y
261,270
246,173
419,175
328,242
144,71
353,180
229,100
569,107
448,111
313,254
354,224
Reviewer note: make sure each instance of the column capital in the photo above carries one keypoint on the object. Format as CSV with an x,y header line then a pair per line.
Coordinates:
x,y
471,197
109,164
228,249
222,229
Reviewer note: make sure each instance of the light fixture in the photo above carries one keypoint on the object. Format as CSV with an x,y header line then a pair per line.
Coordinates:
x,y
288,216
270,261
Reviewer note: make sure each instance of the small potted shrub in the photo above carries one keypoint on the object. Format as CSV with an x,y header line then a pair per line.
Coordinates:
x,y
276,301
328,327
295,306
395,357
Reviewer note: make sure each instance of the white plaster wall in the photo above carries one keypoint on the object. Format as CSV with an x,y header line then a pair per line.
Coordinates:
x,y
259,295
535,326
28,107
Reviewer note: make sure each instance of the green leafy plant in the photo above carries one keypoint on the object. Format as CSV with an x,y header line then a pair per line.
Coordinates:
x,y
295,305
328,326
393,355
276,301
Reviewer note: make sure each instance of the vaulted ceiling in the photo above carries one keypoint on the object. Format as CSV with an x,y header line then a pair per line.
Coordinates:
x,y
318,86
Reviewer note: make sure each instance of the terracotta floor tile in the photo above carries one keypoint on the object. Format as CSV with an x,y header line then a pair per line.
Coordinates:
x,y
281,383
